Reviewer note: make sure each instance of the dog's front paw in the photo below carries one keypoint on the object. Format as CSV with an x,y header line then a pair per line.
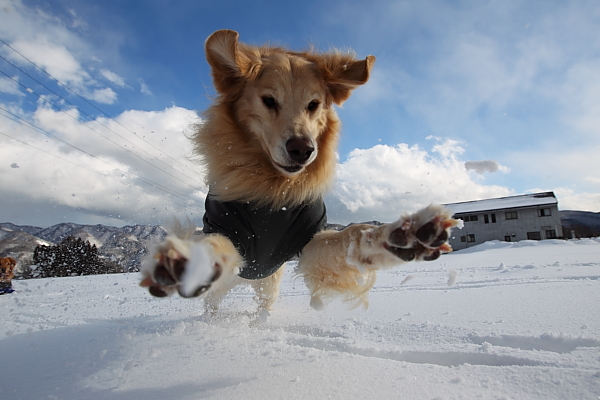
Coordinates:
x,y
186,267
422,235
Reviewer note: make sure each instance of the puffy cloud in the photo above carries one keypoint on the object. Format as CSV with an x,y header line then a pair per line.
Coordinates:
x,y
384,181
51,44
137,174
104,96
54,58
485,166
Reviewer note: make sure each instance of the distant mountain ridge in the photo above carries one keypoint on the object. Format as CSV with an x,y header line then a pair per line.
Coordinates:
x,y
126,245
582,223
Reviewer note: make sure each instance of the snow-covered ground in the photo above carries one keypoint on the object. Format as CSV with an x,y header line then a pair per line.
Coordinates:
x,y
498,321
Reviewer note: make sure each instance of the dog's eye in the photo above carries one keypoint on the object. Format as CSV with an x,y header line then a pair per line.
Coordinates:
x,y
313,105
269,102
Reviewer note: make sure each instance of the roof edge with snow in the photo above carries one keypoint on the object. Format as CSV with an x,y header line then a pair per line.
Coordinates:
x,y
502,203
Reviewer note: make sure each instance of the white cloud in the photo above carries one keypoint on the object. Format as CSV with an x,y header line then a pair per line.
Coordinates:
x,y
104,178
113,77
10,86
485,166
144,88
49,43
54,58
104,96
568,199
383,182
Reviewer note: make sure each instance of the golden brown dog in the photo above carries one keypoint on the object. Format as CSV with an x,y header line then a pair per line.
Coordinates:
x,y
268,143
7,269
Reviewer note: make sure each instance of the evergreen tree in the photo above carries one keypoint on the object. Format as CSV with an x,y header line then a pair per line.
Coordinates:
x,y
73,256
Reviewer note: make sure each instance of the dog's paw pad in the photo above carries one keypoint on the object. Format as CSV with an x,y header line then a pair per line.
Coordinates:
x,y
405,254
156,291
423,235
432,234
400,237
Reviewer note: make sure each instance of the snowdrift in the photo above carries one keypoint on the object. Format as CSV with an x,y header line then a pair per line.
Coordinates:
x,y
512,321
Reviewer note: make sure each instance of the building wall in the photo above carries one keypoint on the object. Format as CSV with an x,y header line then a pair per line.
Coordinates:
x,y
531,223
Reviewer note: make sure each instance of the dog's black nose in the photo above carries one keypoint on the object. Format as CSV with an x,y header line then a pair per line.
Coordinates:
x,y
299,149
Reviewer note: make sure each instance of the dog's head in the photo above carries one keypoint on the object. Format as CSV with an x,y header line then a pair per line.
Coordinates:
x,y
283,98
7,266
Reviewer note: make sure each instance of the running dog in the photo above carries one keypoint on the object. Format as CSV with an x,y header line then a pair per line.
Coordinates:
x,y
268,143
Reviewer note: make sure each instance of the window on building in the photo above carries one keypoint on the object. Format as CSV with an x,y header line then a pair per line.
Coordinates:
x,y
551,234
544,212
493,218
470,218
534,235
512,215
486,219
507,238
469,238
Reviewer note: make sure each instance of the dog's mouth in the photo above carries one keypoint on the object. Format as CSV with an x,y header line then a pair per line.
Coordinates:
x,y
292,169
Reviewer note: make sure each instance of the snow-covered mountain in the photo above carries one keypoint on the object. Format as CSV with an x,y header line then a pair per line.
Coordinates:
x,y
127,245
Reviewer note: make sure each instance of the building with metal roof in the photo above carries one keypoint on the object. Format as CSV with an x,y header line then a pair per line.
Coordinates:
x,y
524,217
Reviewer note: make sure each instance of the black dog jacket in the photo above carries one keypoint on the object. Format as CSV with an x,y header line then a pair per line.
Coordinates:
x,y
265,238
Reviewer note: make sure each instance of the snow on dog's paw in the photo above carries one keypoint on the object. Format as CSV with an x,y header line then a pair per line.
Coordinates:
x,y
422,235
182,266
202,270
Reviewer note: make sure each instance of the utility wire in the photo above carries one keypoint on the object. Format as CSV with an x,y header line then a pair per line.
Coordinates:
x,y
91,118
96,172
93,130
37,129
81,97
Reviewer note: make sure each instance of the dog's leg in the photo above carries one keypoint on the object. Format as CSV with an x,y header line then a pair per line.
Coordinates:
x,y
191,267
217,293
267,289
345,263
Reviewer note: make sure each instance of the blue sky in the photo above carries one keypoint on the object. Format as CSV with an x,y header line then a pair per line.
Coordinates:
x,y
467,100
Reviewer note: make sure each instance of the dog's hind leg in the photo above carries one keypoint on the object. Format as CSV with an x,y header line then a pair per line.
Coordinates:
x,y
345,263
191,267
267,289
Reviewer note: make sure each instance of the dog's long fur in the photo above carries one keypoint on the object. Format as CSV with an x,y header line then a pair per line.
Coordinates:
x,y
269,139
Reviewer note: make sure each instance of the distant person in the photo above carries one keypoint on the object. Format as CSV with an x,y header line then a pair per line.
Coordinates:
x,y
7,272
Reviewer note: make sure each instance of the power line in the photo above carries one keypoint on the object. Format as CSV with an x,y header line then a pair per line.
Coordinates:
x,y
96,172
81,97
37,129
93,130
90,118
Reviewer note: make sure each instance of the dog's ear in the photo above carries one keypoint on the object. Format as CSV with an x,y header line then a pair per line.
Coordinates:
x,y
229,64
346,74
